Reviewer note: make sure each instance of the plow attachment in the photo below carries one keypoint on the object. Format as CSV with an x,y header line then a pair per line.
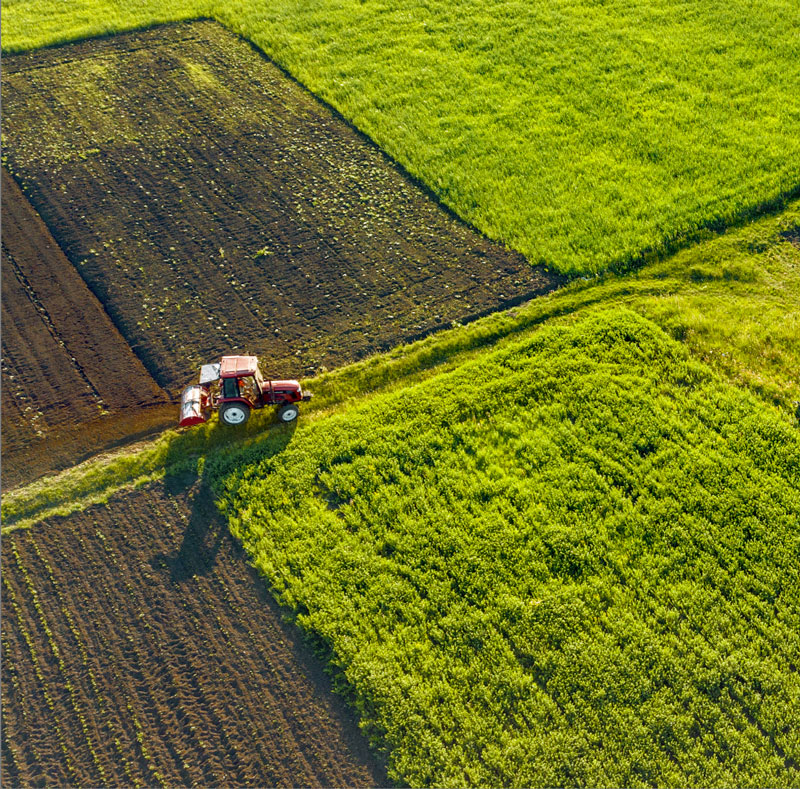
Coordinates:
x,y
195,406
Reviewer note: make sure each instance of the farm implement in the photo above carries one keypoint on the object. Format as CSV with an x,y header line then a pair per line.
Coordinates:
x,y
234,386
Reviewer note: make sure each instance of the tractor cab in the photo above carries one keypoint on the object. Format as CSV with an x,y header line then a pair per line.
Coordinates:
x,y
235,386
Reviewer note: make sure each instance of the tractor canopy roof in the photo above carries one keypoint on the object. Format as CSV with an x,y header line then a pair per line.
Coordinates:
x,y
237,366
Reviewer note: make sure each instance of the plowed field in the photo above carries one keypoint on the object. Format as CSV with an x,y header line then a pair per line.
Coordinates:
x,y
138,648
213,204
71,384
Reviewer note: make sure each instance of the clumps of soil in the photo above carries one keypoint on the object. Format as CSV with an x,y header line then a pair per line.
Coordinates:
x,y
214,205
140,649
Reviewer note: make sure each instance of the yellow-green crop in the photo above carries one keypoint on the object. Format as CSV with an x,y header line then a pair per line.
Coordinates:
x,y
570,561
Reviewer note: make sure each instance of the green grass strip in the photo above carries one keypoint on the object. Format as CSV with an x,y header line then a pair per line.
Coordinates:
x,y
734,300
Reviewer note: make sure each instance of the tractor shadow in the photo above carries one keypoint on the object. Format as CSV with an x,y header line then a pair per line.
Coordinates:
x,y
206,527
202,538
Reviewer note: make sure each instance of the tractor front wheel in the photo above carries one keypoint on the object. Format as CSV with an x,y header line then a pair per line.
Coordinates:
x,y
288,412
234,413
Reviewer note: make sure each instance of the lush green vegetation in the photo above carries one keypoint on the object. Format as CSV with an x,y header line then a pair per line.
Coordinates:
x,y
580,133
558,545
30,24
572,560
735,302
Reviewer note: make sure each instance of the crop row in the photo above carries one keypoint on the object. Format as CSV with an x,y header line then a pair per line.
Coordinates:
x,y
137,650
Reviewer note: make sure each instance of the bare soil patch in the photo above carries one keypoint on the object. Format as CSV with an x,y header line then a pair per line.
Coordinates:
x,y
138,648
792,235
213,204
71,384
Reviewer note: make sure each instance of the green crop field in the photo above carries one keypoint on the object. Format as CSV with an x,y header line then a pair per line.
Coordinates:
x,y
571,561
579,133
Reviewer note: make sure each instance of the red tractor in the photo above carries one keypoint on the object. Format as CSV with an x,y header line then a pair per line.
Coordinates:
x,y
235,386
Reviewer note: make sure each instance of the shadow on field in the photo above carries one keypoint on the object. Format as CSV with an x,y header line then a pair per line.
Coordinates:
x,y
206,527
201,541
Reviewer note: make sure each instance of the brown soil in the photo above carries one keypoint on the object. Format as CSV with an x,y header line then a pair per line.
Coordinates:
x,y
138,648
205,203
71,384
214,205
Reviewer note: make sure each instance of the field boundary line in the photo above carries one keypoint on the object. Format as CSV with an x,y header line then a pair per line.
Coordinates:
x,y
98,478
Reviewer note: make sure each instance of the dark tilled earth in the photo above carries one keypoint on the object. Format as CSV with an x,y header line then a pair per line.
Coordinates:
x,y
71,386
212,204
195,201
140,649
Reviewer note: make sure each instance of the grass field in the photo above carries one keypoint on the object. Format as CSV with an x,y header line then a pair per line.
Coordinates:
x,y
581,134
550,547
571,561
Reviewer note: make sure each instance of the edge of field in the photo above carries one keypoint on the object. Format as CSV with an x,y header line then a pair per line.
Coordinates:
x,y
732,300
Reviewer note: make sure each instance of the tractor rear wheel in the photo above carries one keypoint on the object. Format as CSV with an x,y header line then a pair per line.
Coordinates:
x,y
288,412
234,413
